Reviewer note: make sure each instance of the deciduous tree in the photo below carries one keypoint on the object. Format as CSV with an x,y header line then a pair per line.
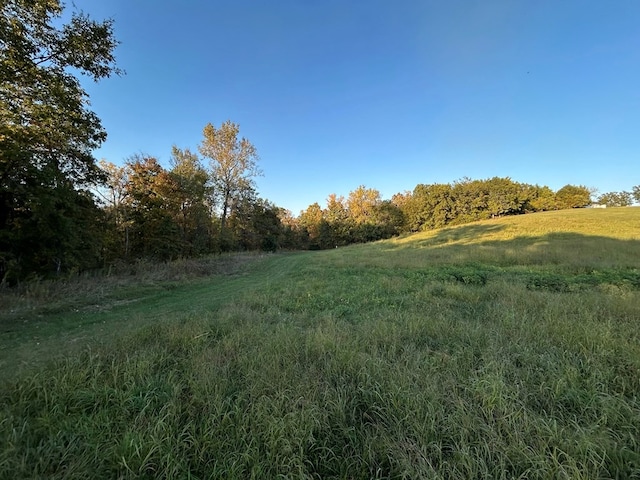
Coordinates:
x,y
193,197
47,132
312,220
153,212
362,203
292,236
470,200
112,195
573,196
504,197
431,206
389,218
616,199
541,198
337,217
233,164
255,224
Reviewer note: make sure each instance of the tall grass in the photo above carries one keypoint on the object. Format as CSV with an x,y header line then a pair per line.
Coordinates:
x,y
441,355
38,294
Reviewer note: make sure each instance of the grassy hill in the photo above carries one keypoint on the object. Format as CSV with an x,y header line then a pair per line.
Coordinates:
x,y
508,348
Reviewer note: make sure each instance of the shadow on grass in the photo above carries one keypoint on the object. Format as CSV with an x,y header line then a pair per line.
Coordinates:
x,y
466,244
457,234
557,261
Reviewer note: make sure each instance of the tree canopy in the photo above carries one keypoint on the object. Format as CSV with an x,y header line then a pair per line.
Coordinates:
x,y
616,199
47,131
233,164
573,196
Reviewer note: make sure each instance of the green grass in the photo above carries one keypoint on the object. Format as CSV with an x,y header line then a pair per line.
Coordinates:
x,y
502,349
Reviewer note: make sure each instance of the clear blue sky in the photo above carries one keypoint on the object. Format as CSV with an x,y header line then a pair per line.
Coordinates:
x,y
388,94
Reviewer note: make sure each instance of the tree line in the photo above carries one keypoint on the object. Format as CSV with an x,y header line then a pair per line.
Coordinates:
x,y
194,207
363,216
619,199
62,211
199,207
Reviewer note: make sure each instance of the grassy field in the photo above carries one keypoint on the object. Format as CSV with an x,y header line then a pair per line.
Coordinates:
x,y
506,349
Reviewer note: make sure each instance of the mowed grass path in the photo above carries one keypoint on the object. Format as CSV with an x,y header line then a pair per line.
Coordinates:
x,y
44,329
501,349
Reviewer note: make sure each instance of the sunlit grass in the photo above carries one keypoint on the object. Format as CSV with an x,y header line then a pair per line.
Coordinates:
x,y
462,353
590,238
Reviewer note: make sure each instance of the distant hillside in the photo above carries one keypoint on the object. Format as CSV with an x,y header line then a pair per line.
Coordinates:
x,y
595,237
621,223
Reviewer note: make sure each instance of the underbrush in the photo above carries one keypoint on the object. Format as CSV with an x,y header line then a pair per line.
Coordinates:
x,y
52,295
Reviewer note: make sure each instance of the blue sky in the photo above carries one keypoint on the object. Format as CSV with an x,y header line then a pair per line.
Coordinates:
x,y
387,94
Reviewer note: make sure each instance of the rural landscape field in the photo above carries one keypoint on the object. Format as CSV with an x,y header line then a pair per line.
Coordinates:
x,y
507,348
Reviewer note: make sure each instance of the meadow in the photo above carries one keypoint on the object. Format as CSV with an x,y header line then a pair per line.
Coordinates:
x,y
508,348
